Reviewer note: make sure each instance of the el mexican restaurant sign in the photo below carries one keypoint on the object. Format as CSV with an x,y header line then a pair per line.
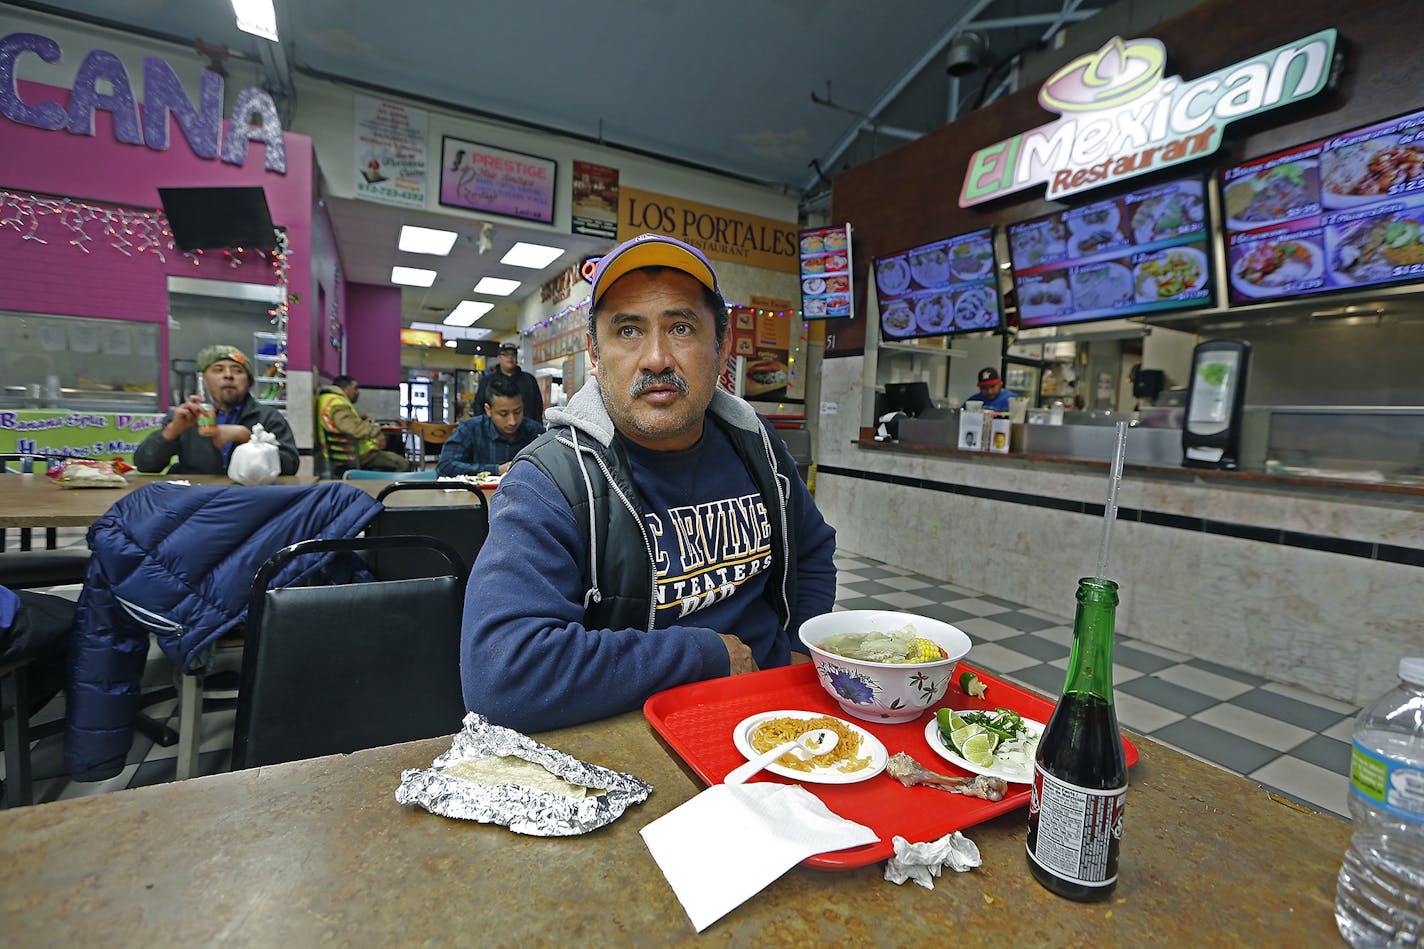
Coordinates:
x,y
1120,117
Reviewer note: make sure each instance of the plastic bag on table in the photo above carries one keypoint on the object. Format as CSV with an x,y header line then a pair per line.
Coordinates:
x,y
256,461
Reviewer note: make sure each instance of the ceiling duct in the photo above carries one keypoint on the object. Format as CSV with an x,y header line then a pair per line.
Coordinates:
x,y
966,53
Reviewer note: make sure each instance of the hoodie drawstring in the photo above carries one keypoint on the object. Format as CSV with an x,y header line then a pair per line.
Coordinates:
x,y
592,595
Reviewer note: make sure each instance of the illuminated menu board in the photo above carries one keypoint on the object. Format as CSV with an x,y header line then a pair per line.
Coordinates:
x,y
1141,252
1337,214
939,288
825,272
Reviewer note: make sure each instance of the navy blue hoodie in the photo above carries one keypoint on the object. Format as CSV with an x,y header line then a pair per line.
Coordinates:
x,y
527,659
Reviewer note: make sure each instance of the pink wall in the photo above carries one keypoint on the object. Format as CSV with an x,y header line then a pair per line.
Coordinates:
x,y
373,321
329,295
55,277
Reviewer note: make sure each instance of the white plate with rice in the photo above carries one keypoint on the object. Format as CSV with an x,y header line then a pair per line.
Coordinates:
x,y
825,769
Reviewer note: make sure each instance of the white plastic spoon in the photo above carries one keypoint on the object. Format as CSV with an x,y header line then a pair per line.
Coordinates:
x,y
814,743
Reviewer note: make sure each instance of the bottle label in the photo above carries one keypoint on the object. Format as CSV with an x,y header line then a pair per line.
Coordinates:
x,y
1078,829
1387,783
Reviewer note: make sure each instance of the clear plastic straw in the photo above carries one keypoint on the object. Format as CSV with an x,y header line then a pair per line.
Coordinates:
x,y
1110,511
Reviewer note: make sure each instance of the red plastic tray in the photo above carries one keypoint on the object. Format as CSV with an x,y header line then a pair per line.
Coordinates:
x,y
697,721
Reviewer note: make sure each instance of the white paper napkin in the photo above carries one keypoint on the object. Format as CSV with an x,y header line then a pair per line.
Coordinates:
x,y
920,862
731,841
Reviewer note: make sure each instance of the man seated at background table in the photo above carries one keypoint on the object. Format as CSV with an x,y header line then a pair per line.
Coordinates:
x,y
336,410
227,376
487,444
657,534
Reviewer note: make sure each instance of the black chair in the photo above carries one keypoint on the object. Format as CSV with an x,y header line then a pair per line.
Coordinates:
x,y
334,669
463,526
337,455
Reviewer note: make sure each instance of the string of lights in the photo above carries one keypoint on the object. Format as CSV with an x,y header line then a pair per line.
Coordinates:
x,y
134,232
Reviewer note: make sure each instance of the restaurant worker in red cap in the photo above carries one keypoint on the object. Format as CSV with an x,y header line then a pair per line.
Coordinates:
x,y
992,396
227,375
657,534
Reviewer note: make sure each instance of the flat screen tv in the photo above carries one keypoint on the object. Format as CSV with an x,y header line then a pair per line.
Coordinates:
x,y
825,272
1341,213
218,218
940,288
1141,252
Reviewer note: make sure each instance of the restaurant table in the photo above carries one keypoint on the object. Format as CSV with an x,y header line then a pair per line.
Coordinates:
x,y
37,501
319,851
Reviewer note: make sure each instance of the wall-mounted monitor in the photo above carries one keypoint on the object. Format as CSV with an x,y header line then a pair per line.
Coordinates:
x,y
1341,213
825,272
1139,253
935,289
219,218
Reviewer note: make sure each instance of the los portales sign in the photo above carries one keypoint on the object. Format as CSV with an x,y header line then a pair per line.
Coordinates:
x,y
163,95
1120,117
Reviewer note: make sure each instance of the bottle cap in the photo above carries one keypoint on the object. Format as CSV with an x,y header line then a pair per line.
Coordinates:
x,y
1411,670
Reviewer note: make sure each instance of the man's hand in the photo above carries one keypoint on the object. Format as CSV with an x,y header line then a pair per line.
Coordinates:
x,y
234,434
185,416
503,468
740,654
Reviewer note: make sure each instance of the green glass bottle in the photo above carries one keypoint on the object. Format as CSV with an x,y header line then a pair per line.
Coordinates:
x,y
1080,771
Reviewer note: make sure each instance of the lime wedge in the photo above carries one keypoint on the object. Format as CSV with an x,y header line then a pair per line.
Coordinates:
x,y
959,736
979,749
948,720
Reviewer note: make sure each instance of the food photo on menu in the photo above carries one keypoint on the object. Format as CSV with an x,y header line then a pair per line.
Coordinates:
x,y
825,273
1139,252
1335,214
939,288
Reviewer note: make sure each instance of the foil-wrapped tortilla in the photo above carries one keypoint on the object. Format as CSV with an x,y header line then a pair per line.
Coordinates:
x,y
521,808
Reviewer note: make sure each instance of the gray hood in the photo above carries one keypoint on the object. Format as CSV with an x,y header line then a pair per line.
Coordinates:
x,y
587,413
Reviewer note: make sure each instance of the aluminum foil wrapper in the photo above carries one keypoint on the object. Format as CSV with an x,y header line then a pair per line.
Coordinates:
x,y
521,809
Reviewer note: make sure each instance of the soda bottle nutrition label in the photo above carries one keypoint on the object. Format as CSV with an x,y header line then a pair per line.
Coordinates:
x,y
1077,831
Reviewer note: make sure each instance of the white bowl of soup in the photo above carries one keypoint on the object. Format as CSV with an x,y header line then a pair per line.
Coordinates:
x,y
882,665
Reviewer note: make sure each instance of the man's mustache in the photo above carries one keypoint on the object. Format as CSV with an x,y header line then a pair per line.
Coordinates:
x,y
645,382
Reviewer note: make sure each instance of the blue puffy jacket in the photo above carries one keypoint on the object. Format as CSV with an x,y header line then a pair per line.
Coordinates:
x,y
177,561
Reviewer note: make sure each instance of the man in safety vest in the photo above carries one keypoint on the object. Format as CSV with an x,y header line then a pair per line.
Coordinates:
x,y
361,448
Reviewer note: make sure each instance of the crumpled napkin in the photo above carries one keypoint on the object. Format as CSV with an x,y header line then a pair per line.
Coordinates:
x,y
920,862
733,840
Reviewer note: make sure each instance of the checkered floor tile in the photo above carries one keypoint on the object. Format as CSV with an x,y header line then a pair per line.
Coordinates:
x,y
1288,740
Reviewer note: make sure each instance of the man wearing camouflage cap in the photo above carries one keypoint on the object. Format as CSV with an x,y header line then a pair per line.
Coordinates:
x,y
227,376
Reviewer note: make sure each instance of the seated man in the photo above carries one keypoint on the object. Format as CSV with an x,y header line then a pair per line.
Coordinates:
x,y
336,408
488,443
992,396
657,534
227,376
35,626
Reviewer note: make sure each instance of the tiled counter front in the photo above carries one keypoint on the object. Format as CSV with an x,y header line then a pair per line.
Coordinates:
x,y
1229,573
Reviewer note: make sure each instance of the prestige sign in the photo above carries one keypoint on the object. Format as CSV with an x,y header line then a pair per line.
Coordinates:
x,y
717,232
1120,117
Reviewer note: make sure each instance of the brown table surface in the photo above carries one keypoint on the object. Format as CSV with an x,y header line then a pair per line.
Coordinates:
x,y
318,851
37,501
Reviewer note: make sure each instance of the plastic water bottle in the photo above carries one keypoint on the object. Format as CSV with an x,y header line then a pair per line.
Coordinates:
x,y
1380,897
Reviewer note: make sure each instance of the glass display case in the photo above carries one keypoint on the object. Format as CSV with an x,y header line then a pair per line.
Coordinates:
x,y
78,363
1383,443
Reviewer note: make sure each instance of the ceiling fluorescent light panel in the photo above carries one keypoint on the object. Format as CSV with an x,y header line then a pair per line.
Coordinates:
x,y
467,312
426,240
532,256
412,276
496,286
256,17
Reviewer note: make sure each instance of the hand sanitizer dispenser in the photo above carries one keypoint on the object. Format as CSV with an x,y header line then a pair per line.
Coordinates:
x,y
1211,431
